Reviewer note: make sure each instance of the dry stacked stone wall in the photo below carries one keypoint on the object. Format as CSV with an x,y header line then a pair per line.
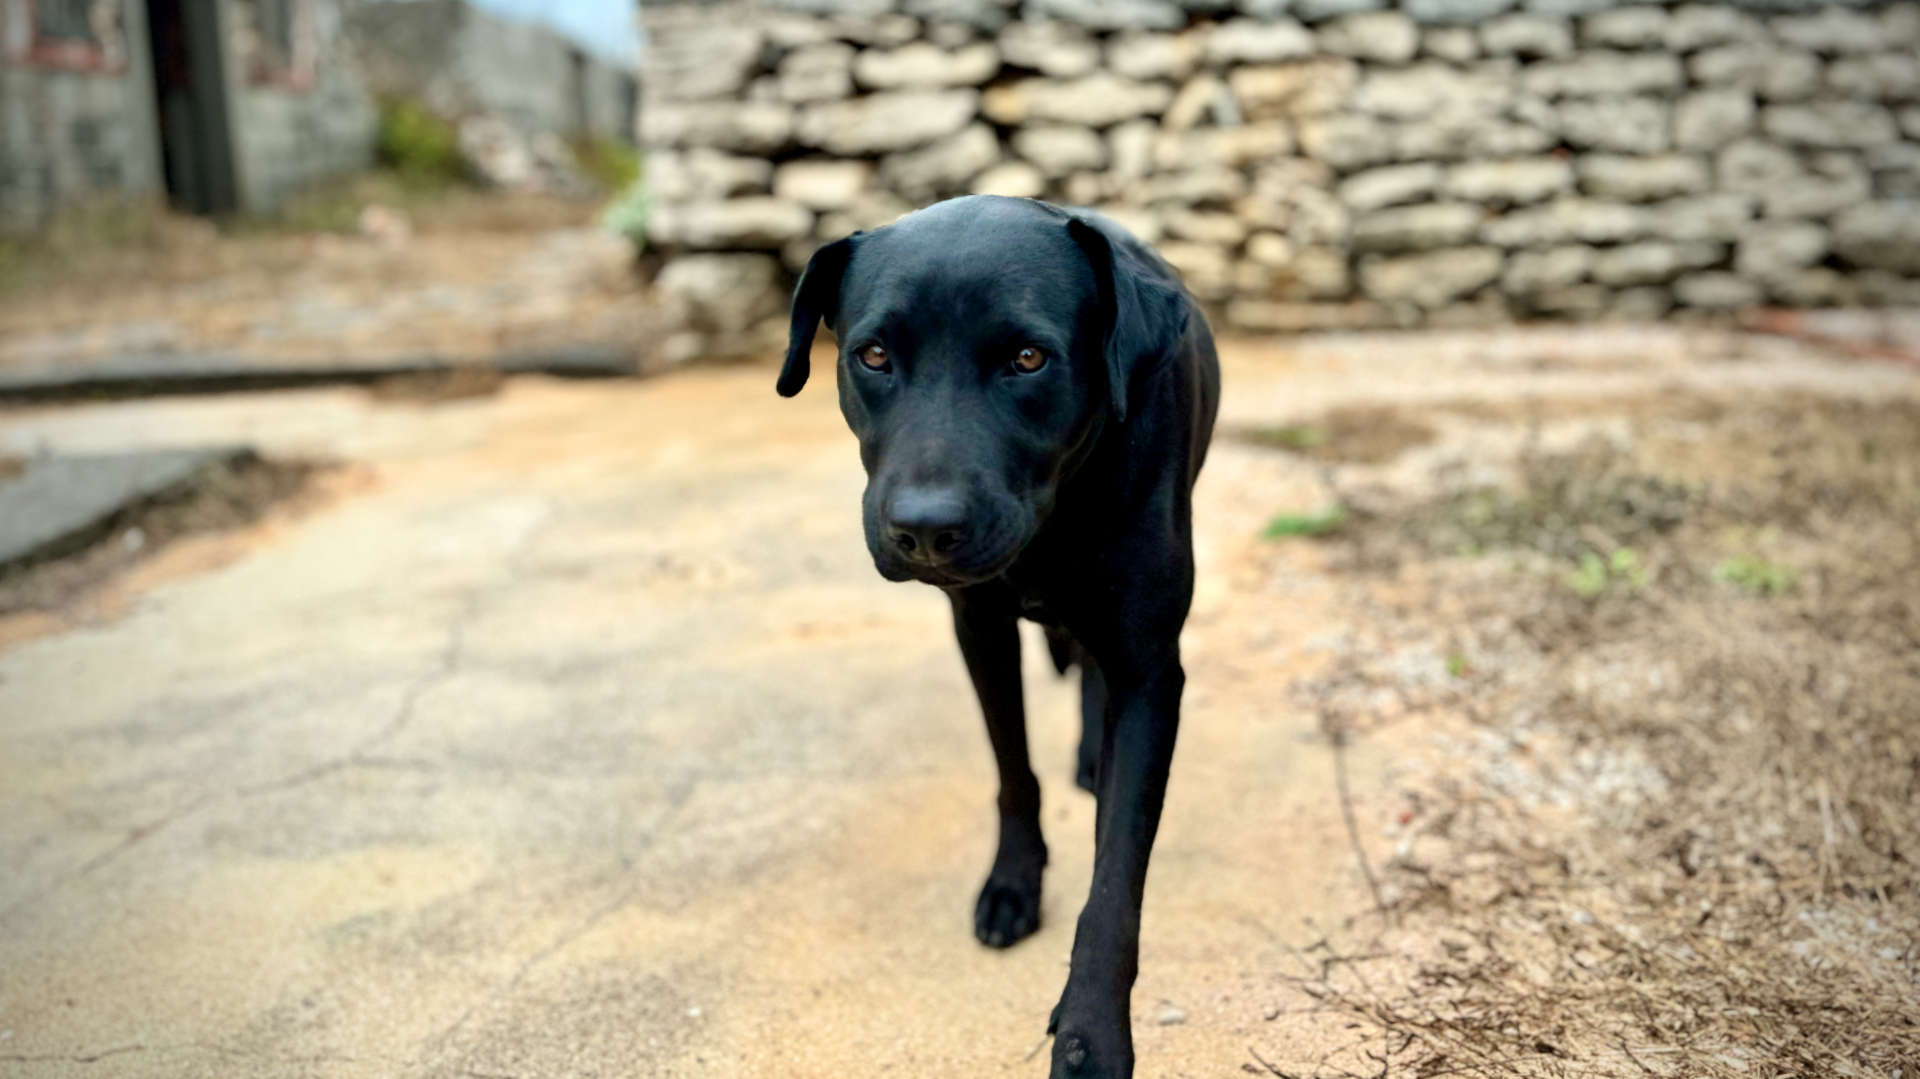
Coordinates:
x,y
1308,164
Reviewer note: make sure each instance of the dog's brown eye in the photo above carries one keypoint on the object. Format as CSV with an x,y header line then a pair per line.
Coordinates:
x,y
1028,360
874,358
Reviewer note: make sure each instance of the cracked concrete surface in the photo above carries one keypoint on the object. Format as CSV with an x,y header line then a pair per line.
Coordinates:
x,y
582,740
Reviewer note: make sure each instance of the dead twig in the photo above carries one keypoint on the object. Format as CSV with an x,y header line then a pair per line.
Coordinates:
x,y
1339,741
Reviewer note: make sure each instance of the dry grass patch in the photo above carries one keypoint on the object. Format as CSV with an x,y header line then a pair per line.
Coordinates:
x,y
1679,832
1351,434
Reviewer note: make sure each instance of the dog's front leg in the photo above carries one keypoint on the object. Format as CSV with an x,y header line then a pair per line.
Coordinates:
x,y
1092,1023
986,621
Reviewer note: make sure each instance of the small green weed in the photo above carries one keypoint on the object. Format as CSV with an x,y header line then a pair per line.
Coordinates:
x,y
419,145
1291,436
626,215
612,165
1305,524
1621,570
1755,575
1348,434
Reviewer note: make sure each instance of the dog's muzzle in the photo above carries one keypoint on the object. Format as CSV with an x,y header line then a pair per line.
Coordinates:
x,y
940,535
928,526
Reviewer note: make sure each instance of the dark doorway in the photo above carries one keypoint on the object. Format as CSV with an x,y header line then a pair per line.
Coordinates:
x,y
190,98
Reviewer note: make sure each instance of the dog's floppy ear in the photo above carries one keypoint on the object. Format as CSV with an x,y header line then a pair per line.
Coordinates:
x,y
816,297
1145,314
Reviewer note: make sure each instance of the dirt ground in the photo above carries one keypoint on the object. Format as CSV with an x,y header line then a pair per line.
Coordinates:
x,y
467,278
1550,712
1674,835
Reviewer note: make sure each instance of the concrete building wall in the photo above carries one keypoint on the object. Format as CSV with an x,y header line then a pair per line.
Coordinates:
x,y
74,123
72,126
612,94
404,50
460,61
298,108
516,71
299,122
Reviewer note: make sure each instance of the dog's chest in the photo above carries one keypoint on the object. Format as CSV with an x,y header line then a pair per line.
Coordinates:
x,y
1049,590
1041,597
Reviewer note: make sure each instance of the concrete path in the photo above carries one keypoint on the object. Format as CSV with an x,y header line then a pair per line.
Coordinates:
x,y
576,737
57,503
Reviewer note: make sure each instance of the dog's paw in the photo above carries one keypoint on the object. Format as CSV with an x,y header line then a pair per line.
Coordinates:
x,y
1092,1053
1008,912
1090,1044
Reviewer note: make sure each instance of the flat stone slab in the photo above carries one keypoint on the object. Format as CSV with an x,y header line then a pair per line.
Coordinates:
x,y
152,375
59,503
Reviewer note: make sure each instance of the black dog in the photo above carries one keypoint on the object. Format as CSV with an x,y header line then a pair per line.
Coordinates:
x,y
1034,391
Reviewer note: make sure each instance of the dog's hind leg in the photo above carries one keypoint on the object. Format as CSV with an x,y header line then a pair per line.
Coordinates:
x,y
1061,649
986,621
1093,723
1067,654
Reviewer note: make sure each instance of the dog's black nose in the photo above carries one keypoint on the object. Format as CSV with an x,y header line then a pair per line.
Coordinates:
x,y
927,524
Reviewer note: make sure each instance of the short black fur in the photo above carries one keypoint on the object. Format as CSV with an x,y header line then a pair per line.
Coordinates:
x,y
1060,492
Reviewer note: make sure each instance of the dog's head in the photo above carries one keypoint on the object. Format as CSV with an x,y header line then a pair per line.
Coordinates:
x,y
984,343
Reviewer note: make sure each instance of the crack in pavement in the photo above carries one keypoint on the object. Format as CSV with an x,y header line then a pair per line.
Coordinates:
x,y
134,838
70,1058
451,655
447,666
182,1047
676,801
